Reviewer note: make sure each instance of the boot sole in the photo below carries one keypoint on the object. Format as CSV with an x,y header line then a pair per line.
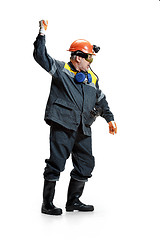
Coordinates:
x,y
71,209
52,212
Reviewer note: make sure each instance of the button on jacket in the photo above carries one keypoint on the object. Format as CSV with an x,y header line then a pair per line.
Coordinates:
x,y
69,103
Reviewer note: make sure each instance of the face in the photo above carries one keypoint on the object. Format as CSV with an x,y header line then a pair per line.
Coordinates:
x,y
83,63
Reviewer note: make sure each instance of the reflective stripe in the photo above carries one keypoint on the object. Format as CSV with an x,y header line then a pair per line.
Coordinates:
x,y
53,69
100,97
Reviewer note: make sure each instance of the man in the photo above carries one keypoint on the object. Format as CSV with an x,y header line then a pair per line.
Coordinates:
x,y
73,104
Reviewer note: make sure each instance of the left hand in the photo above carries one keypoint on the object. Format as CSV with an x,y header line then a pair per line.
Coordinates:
x,y
112,127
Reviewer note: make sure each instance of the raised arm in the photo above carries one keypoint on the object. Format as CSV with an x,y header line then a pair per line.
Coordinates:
x,y
40,52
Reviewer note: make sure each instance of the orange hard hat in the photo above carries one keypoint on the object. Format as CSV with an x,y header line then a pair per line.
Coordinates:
x,y
83,46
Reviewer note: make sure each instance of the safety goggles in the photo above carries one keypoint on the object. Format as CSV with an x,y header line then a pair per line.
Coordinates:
x,y
89,58
86,56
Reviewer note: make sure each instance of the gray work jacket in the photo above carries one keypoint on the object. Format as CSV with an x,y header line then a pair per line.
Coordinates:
x,y
69,103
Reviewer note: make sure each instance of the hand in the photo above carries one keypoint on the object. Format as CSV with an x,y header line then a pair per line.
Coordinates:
x,y
43,26
112,127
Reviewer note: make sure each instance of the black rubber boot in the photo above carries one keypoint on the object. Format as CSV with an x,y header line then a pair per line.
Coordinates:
x,y
75,190
48,195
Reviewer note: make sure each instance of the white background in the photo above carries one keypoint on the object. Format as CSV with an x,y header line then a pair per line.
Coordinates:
x,y
125,187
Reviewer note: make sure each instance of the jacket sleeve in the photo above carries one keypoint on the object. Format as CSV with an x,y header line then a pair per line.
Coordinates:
x,y
102,105
41,56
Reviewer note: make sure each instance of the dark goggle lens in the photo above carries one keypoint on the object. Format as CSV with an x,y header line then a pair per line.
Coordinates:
x,y
89,58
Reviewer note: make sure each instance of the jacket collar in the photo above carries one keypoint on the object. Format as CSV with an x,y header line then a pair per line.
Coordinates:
x,y
72,66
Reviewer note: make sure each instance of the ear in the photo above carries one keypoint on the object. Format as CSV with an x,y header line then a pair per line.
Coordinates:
x,y
78,59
